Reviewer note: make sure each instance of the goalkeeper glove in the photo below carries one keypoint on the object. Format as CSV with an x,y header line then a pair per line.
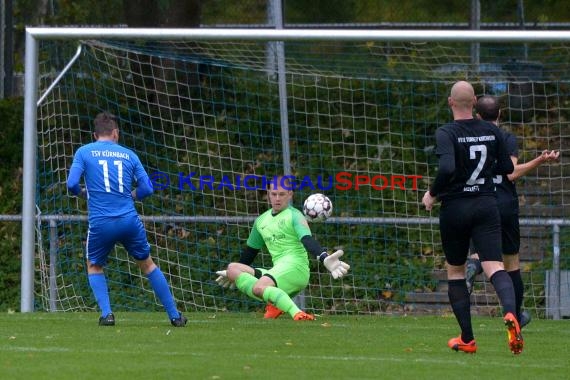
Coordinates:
x,y
334,265
223,279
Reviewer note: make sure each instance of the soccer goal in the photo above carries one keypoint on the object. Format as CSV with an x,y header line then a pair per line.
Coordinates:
x,y
349,113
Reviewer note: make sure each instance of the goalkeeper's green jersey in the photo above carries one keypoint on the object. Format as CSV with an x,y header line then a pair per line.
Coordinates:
x,y
281,234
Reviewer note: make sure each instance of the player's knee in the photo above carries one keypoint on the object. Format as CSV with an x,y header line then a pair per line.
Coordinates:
x,y
455,272
511,262
258,289
147,265
234,270
491,267
93,268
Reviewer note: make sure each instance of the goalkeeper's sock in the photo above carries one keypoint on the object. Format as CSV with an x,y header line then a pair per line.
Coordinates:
x,y
162,291
505,291
519,290
98,284
281,300
461,306
245,282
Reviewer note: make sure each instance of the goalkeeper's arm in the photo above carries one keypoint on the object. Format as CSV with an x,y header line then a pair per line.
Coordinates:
x,y
332,262
313,247
247,256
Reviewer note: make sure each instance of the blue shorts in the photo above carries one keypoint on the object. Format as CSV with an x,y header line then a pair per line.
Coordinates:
x,y
105,233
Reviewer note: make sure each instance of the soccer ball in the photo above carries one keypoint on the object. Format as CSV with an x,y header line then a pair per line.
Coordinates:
x,y
317,208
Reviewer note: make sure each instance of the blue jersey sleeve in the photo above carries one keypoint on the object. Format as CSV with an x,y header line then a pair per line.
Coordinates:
x,y
144,188
75,173
144,185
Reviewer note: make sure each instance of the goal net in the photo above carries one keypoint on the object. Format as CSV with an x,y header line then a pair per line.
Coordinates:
x,y
206,119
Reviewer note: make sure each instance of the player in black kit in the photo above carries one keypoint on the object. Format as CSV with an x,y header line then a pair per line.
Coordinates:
x,y
471,152
488,108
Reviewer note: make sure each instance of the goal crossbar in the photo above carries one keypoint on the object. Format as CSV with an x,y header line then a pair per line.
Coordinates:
x,y
299,34
35,34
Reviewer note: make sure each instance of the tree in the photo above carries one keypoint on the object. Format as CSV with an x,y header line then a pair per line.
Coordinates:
x,y
165,13
154,75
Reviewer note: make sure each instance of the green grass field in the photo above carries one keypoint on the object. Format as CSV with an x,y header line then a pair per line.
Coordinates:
x,y
245,346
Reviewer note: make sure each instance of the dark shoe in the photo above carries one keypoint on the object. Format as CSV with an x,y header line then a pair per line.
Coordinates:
x,y
108,320
525,319
179,322
470,274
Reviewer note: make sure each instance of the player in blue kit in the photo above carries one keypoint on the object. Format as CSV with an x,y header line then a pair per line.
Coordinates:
x,y
110,170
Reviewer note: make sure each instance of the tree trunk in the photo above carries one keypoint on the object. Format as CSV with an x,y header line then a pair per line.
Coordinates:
x,y
141,13
154,74
176,14
182,14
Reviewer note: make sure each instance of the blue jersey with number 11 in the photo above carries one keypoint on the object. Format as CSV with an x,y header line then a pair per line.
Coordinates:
x,y
110,170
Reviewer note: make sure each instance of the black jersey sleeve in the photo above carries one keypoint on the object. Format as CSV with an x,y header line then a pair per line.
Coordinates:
x,y
313,247
247,255
504,163
512,144
446,167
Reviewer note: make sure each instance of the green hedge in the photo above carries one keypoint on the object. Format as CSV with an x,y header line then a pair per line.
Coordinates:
x,y
11,136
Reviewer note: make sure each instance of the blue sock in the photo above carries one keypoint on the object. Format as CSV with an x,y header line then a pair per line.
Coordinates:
x,y
162,291
98,284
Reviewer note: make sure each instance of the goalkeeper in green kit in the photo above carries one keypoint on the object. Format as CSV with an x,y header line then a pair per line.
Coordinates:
x,y
284,231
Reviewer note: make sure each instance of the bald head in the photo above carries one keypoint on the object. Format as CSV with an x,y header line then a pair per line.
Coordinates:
x,y
488,108
461,100
463,95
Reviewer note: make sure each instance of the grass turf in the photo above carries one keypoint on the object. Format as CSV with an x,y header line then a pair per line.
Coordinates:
x,y
245,346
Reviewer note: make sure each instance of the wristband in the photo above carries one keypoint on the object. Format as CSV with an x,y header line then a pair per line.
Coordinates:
x,y
322,256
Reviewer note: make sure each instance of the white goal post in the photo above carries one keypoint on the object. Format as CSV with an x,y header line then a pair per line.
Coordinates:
x,y
34,35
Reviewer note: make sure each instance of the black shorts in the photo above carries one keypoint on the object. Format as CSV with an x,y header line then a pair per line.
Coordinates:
x,y
473,218
510,229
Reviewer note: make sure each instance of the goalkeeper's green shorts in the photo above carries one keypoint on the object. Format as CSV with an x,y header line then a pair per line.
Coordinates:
x,y
290,277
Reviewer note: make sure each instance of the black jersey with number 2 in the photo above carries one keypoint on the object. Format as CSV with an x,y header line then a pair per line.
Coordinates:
x,y
471,152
